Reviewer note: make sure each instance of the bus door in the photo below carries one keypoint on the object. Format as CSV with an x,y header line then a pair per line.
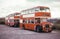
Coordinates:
x,y
37,20
16,23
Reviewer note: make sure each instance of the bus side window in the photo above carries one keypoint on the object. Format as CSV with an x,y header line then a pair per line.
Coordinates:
x,y
28,21
31,21
24,21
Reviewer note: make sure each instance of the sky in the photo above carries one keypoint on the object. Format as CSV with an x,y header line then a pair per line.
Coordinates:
x,y
10,6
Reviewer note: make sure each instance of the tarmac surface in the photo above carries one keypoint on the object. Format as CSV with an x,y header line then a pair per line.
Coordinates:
x,y
7,32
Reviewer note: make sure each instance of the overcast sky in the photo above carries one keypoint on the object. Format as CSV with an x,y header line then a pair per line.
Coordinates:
x,y
10,6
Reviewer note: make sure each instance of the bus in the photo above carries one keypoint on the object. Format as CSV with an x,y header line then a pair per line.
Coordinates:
x,y
12,19
7,20
36,19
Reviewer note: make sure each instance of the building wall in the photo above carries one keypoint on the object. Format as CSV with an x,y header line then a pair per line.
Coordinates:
x,y
2,20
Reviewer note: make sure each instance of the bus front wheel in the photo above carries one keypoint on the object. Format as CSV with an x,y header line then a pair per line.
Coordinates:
x,y
38,29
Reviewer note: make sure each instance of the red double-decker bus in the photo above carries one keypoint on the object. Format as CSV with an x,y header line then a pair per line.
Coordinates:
x,y
36,19
12,19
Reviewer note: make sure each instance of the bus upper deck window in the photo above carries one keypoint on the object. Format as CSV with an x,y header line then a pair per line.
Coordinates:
x,y
42,9
47,9
33,10
37,9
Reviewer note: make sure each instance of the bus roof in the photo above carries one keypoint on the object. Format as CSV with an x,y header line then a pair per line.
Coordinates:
x,y
36,7
16,13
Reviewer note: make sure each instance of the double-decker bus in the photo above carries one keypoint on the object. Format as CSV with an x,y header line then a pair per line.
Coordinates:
x,y
12,19
36,19
7,20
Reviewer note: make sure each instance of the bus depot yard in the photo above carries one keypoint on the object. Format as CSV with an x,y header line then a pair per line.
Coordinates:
x,y
37,19
27,23
7,32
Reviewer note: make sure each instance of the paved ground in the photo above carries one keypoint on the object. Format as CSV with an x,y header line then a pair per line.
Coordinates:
x,y
15,33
